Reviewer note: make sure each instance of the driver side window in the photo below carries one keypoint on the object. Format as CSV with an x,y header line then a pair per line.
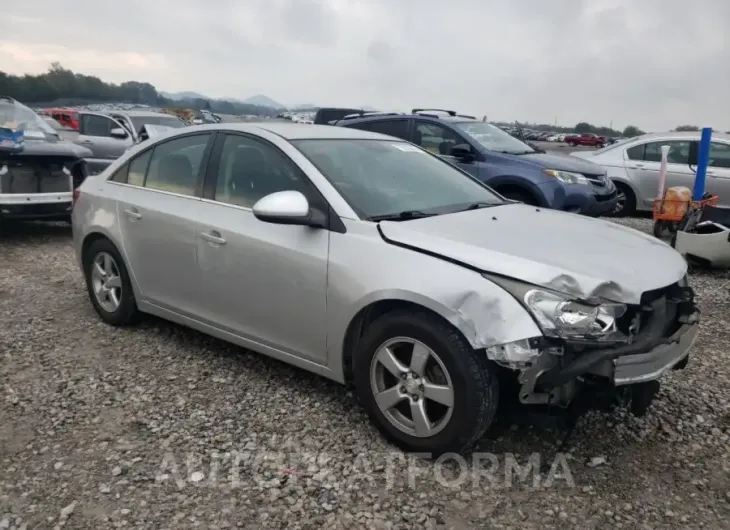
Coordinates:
x,y
249,170
435,138
92,125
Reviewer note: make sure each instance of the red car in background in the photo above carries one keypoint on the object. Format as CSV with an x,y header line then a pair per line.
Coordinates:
x,y
589,139
66,117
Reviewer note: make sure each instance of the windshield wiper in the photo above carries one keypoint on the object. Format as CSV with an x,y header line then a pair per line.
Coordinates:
x,y
477,206
402,216
518,153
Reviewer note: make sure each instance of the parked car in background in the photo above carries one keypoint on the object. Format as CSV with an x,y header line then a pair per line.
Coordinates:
x,y
509,166
588,139
326,115
37,179
109,135
633,165
68,118
370,261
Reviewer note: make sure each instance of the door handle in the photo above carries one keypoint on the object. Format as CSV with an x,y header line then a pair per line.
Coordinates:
x,y
213,237
710,174
87,142
133,214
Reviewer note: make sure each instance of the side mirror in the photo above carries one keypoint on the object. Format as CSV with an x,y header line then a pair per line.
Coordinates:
x,y
463,152
118,132
287,208
536,147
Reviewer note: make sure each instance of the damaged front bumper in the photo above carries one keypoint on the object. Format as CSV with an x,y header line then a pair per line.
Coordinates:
x,y
669,327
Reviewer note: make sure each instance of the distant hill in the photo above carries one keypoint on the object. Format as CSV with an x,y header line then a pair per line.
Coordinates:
x,y
258,100
176,96
263,101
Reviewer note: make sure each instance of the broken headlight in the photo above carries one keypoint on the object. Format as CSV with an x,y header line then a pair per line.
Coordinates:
x,y
560,316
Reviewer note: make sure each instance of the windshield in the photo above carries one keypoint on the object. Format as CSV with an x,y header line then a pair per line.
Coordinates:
x,y
14,115
388,177
162,119
493,138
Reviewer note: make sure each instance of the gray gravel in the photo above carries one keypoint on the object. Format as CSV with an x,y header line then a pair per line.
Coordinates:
x,y
148,427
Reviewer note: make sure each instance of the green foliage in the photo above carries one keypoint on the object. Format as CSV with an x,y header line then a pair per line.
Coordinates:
x,y
62,87
685,128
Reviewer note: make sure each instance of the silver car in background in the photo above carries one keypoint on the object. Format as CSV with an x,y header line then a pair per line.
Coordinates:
x,y
372,262
633,165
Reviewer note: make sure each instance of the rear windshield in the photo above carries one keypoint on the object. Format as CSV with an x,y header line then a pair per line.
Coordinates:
x,y
14,115
162,119
324,116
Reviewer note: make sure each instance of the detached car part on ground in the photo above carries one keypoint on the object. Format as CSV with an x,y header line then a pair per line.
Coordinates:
x,y
38,171
371,261
513,168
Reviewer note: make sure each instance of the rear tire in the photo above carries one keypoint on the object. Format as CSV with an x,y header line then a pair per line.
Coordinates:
x,y
108,284
390,346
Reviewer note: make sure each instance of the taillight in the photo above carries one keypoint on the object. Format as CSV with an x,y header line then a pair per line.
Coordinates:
x,y
75,196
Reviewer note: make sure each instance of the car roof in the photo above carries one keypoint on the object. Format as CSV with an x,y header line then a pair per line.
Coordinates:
x,y
292,131
305,131
142,113
680,135
396,116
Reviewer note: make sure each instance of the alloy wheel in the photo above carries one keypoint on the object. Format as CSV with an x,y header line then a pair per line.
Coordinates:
x,y
412,387
106,282
620,201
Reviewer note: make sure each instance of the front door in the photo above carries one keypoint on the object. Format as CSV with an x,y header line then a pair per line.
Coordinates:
x,y
643,162
718,172
439,140
264,282
95,134
156,211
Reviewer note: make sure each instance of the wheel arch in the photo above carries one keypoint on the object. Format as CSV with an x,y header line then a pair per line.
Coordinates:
x,y
376,309
96,235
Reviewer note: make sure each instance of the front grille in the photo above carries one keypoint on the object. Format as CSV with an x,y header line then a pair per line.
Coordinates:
x,y
36,177
673,304
606,197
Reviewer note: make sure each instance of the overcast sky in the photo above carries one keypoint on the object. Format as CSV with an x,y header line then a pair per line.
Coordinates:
x,y
653,63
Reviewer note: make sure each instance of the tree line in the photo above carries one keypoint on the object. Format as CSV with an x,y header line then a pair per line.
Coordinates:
x,y
62,87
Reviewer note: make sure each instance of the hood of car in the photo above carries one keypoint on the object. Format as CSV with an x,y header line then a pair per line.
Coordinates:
x,y
564,163
53,148
571,254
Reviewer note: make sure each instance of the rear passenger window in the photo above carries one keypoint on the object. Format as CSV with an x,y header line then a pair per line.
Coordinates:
x,y
138,168
175,165
397,128
120,175
636,152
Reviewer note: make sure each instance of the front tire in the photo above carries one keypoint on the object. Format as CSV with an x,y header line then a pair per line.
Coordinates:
x,y
626,204
422,384
108,284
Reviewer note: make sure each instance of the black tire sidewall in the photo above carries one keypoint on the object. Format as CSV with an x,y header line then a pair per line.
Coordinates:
x,y
452,354
126,313
629,202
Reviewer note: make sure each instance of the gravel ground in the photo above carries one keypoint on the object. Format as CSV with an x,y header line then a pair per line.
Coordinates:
x,y
162,427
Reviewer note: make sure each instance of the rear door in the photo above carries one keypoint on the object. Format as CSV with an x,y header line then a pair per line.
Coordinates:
x,y
158,201
642,163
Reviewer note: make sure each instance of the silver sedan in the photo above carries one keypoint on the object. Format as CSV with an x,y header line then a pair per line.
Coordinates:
x,y
633,165
372,262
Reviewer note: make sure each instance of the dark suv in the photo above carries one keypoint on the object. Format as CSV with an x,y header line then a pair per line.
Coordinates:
x,y
511,167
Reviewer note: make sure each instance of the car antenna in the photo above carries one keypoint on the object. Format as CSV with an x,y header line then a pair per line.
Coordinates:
x,y
519,131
